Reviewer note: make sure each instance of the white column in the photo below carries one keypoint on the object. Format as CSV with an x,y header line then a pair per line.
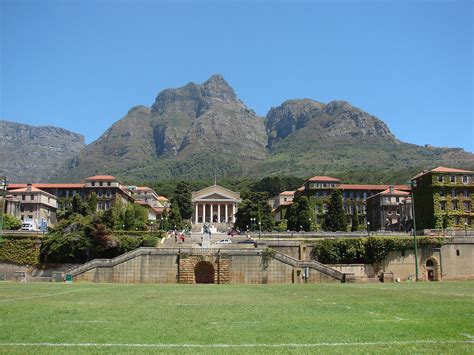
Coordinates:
x,y
219,213
203,213
226,213
196,207
212,213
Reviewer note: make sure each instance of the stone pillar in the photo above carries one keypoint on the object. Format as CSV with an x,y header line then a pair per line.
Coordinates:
x,y
219,213
196,213
226,213
204,213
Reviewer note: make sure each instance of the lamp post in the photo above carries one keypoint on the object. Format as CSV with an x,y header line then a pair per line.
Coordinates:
x,y
151,227
368,228
465,229
413,185
259,229
3,187
309,229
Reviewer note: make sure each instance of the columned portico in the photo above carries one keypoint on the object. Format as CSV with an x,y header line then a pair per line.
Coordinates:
x,y
215,204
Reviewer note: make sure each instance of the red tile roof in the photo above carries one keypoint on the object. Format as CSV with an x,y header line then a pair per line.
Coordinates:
x,y
394,192
442,169
323,178
371,187
287,193
101,177
47,186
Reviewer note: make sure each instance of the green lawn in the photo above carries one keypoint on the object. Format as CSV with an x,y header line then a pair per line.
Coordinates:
x,y
313,318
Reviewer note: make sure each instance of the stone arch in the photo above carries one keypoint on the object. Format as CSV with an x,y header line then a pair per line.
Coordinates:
x,y
432,269
204,272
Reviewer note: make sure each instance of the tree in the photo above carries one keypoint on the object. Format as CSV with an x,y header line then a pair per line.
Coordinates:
x,y
76,204
11,222
335,218
92,203
304,214
182,196
164,220
355,218
175,220
276,184
141,217
291,216
129,218
255,206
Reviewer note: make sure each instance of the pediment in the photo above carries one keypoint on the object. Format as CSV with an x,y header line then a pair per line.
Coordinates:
x,y
215,197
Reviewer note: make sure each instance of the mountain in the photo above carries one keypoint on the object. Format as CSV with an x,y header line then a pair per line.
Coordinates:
x,y
190,132
308,137
200,130
34,154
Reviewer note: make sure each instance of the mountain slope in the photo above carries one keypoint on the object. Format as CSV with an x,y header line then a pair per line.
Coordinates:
x,y
191,132
198,130
34,154
337,138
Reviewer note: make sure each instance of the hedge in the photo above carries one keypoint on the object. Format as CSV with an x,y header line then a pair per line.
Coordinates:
x,y
21,250
367,250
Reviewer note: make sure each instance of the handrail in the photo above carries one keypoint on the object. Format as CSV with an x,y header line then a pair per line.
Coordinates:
x,y
313,264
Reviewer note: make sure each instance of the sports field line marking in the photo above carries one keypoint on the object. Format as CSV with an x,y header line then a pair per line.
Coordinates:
x,y
407,290
284,345
55,294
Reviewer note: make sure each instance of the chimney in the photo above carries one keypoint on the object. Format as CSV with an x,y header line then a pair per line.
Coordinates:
x,y
391,188
28,187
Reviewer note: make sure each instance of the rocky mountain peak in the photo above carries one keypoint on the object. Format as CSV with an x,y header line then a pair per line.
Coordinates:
x,y
217,87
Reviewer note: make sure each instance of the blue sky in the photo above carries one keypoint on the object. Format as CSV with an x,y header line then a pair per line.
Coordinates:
x,y
82,65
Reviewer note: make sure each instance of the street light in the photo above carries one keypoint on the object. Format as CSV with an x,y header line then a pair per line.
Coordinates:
x,y
465,229
151,227
259,229
309,229
368,228
3,186
413,185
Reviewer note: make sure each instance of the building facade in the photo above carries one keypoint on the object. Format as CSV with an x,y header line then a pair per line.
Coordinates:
x,y
319,188
215,204
385,211
443,198
36,205
281,203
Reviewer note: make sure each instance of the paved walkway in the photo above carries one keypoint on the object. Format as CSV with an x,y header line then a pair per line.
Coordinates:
x,y
194,240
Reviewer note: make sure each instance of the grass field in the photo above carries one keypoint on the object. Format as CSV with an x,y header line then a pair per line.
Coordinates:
x,y
312,318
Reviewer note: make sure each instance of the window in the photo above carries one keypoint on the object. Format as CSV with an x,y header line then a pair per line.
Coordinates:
x,y
469,220
109,183
453,178
465,179
365,195
467,206
443,205
457,220
107,193
32,197
441,192
454,205
397,199
93,183
22,208
31,208
23,197
99,193
453,192
100,183
440,178
457,252
466,194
